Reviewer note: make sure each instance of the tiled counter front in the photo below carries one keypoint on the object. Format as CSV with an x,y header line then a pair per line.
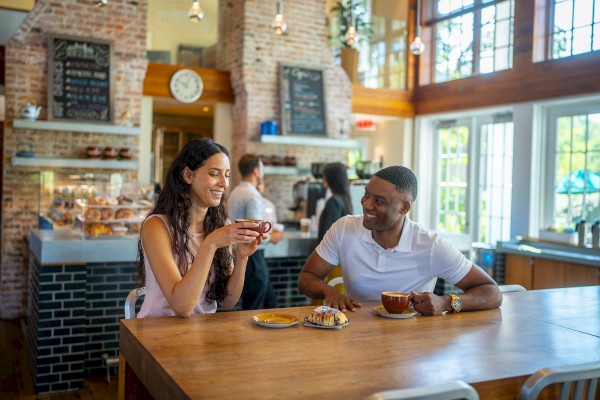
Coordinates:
x,y
74,313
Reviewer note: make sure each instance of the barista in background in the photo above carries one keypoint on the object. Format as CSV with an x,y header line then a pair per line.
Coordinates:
x,y
271,215
337,204
246,202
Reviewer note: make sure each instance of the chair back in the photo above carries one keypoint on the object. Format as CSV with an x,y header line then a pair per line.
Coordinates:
x,y
453,390
584,376
511,288
336,281
130,301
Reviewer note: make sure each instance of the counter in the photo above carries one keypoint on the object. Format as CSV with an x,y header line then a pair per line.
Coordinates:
x,y
551,251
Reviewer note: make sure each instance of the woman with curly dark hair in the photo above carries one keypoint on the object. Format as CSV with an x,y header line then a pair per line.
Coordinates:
x,y
191,257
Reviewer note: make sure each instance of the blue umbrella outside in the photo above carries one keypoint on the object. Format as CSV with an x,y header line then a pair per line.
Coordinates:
x,y
579,181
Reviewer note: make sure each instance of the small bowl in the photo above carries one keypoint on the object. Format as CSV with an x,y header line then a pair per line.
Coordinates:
x,y
93,152
125,153
111,152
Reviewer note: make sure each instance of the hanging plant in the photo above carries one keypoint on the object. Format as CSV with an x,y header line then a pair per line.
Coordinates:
x,y
342,14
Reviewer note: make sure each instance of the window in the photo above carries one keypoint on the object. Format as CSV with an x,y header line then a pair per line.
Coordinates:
x,y
471,37
472,186
575,27
383,59
573,181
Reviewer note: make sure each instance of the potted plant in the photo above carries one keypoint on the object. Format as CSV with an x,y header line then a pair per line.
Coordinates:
x,y
345,16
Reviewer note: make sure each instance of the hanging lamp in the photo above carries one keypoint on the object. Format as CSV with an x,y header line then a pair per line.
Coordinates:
x,y
417,47
279,24
195,12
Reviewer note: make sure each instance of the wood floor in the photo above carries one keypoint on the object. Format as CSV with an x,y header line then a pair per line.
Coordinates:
x,y
16,382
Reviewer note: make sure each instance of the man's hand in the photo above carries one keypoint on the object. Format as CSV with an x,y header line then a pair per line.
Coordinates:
x,y
429,303
335,299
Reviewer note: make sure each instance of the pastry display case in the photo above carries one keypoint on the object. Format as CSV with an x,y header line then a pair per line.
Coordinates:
x,y
95,205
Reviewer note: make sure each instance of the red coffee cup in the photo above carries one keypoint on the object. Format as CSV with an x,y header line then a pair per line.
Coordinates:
x,y
263,226
396,302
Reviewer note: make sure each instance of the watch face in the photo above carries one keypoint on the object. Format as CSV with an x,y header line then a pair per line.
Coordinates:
x,y
456,303
186,85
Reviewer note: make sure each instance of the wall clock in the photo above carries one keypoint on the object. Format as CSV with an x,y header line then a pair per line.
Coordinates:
x,y
186,85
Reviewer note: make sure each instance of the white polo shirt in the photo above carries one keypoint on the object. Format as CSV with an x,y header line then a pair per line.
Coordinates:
x,y
368,269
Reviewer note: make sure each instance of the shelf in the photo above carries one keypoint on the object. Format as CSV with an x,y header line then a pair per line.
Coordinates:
x,y
285,170
66,126
72,163
309,141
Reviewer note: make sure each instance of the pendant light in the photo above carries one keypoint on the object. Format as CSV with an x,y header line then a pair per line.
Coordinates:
x,y
195,12
279,24
417,47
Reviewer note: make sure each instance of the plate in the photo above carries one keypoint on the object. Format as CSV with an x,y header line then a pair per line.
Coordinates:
x,y
406,314
311,325
275,320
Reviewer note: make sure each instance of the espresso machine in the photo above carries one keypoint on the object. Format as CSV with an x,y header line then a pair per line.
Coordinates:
x,y
306,193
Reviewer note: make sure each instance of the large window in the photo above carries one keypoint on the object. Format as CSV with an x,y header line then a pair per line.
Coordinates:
x,y
382,61
471,37
574,169
472,186
575,27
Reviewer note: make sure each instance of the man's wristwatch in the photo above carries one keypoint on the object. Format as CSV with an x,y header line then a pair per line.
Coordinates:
x,y
455,303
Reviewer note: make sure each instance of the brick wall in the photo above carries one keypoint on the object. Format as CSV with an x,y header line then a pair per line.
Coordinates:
x,y
250,50
124,23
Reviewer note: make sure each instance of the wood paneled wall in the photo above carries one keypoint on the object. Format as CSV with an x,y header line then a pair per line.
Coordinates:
x,y
217,84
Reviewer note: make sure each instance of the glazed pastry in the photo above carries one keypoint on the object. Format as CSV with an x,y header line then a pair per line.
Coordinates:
x,y
124,213
92,214
327,316
99,229
106,214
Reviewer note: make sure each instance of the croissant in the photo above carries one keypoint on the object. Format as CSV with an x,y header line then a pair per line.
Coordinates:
x,y
327,316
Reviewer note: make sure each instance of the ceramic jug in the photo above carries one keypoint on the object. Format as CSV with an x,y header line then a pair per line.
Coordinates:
x,y
30,110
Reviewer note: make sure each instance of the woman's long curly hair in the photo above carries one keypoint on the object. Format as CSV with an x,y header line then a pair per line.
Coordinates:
x,y
174,202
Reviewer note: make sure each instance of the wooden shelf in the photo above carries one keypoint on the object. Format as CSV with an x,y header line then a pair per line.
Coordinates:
x,y
309,141
73,163
66,126
285,170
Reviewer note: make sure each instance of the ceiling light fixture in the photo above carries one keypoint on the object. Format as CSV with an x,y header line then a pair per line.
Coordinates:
x,y
100,3
417,47
279,24
195,12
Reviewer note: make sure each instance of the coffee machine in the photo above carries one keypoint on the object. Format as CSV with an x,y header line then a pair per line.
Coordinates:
x,y
306,193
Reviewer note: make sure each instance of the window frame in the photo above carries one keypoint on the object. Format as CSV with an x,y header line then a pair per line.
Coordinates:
x,y
552,113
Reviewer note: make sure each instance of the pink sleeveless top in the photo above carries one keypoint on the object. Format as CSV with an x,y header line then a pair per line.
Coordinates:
x,y
155,303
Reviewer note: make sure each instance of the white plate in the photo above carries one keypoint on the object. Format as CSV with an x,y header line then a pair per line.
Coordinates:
x,y
311,325
275,320
406,314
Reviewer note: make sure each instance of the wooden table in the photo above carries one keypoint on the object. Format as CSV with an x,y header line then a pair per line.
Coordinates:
x,y
226,355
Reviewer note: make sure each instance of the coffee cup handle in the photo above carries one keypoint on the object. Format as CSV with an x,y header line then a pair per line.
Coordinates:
x,y
265,229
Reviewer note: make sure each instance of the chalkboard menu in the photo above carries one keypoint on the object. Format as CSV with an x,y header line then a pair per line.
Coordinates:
x,y
302,100
79,85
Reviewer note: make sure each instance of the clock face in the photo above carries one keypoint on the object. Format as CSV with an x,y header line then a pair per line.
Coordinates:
x,y
186,85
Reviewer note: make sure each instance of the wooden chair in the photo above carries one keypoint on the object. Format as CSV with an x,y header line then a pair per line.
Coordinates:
x,y
585,377
511,288
130,301
445,391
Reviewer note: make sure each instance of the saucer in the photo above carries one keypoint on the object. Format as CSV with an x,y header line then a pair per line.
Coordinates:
x,y
311,325
275,320
406,314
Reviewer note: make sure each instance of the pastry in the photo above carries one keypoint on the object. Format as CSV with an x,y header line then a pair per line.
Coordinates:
x,y
106,214
124,213
327,316
99,229
92,214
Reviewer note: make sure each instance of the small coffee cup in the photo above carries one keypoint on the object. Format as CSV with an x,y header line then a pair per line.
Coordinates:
x,y
110,152
263,226
396,302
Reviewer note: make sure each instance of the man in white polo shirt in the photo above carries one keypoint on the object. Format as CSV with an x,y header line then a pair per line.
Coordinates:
x,y
383,250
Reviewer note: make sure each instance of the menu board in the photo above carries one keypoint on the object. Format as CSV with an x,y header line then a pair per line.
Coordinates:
x,y
79,85
302,100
